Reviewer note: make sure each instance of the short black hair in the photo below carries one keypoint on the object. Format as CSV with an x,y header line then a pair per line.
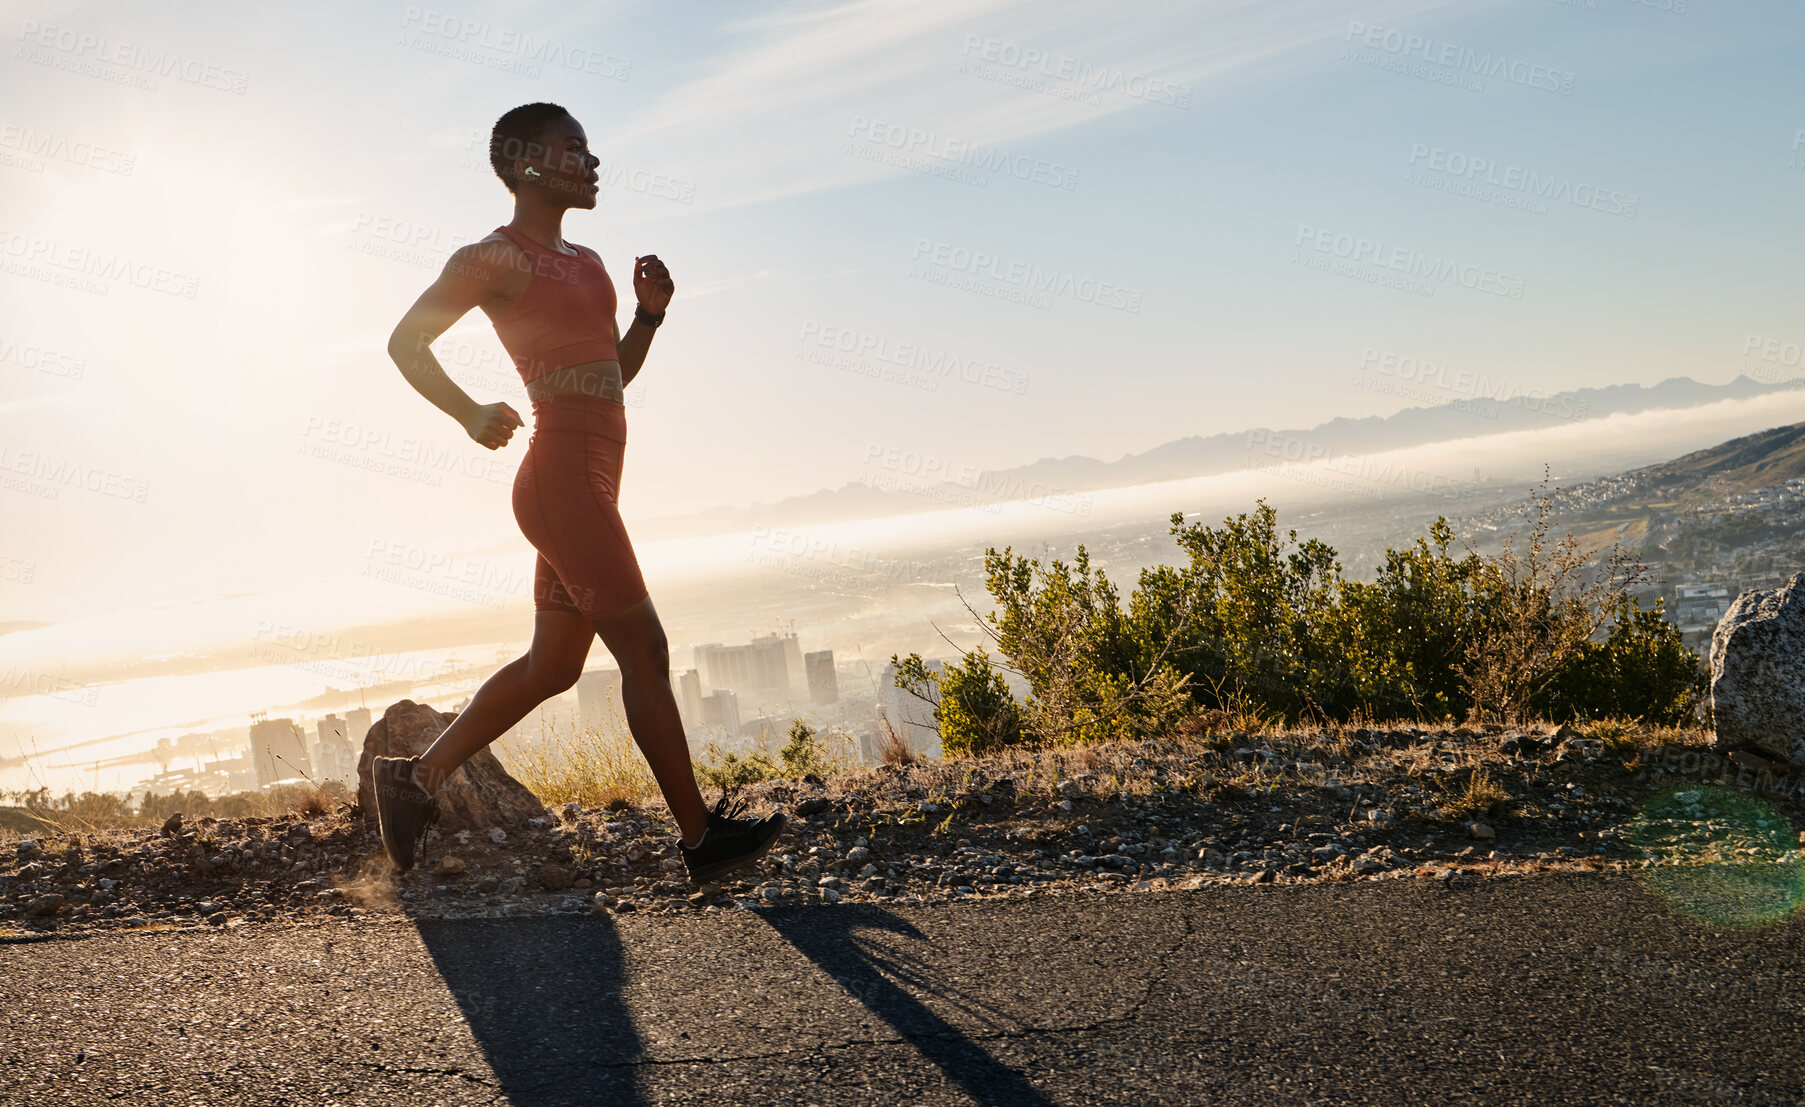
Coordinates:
x,y
516,135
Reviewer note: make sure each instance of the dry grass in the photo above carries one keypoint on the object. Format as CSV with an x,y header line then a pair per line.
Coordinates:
x,y
314,802
596,767
893,748
1481,796
1629,735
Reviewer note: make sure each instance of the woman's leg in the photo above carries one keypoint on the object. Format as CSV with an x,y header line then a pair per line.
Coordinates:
x,y
636,639
551,665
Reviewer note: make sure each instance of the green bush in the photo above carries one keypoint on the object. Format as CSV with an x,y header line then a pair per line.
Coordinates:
x,y
1252,624
1643,669
973,708
801,755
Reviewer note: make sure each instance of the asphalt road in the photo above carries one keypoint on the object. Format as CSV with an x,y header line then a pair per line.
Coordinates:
x,y
1534,990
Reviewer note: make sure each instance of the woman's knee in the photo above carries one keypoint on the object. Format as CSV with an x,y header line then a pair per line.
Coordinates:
x,y
651,652
637,640
559,676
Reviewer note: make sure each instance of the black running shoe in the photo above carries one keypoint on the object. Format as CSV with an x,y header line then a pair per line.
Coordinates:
x,y
403,809
729,842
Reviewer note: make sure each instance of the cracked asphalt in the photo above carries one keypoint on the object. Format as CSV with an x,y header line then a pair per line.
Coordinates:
x,y
1555,989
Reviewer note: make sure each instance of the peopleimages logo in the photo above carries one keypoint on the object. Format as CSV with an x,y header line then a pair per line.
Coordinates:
x,y
931,362
1515,178
1437,376
131,58
34,147
1033,278
1462,59
958,151
1414,263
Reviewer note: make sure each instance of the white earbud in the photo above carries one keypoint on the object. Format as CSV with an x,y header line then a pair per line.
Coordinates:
x,y
531,172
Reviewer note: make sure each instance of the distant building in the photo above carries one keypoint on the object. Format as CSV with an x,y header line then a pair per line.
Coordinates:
x,y
910,716
687,687
357,725
212,784
556,718
599,700
767,670
279,751
823,686
722,708
762,730
240,772
333,758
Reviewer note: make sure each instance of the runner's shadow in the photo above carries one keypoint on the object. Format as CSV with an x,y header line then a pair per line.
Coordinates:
x,y
543,999
870,974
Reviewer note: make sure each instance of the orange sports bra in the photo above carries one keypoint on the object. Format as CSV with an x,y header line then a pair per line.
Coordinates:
x,y
565,317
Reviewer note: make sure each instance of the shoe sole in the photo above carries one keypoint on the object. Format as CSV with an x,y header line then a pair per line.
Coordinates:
x,y
384,829
714,873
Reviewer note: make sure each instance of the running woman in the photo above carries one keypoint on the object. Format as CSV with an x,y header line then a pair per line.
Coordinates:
x,y
553,306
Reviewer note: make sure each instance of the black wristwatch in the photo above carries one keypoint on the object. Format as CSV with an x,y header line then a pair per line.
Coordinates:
x,y
639,313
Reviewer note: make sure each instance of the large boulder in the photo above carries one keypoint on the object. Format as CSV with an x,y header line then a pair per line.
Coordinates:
x,y
1758,673
480,794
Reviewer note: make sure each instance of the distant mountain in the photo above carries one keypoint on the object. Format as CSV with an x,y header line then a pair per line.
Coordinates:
x,y
1649,505
1203,455
1759,460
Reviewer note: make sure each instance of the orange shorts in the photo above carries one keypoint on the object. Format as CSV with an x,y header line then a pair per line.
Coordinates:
x,y
565,500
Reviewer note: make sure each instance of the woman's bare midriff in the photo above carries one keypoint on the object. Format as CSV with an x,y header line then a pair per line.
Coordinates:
x,y
592,378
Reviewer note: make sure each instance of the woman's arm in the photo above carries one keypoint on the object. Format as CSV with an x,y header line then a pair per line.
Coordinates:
x,y
633,347
653,287
462,285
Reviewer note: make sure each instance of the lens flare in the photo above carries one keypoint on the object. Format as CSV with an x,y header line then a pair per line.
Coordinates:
x,y
1720,856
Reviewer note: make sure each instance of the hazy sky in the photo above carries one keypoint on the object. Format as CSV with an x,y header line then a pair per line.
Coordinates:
x,y
1125,222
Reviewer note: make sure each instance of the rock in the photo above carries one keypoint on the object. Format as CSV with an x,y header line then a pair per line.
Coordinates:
x,y
858,855
814,805
1070,788
497,835
555,878
572,812
1748,759
217,918
1481,830
509,886
1758,673
28,848
828,895
449,865
479,794
43,907
172,825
